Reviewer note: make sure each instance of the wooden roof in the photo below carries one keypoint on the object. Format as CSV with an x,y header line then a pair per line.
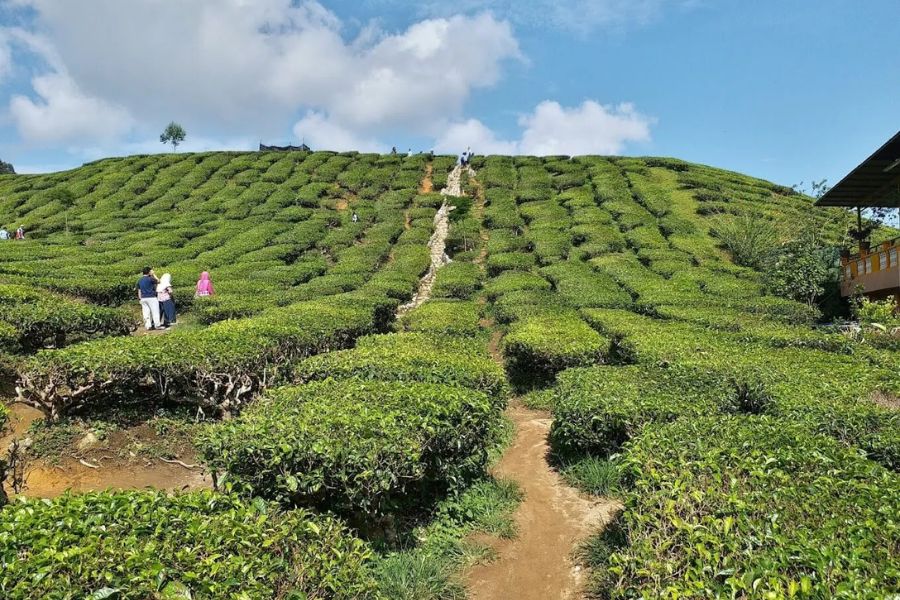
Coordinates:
x,y
875,182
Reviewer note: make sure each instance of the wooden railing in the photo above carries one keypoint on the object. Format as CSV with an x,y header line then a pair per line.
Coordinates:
x,y
877,269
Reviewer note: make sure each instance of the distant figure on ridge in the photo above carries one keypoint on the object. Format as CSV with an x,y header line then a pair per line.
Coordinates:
x,y
393,150
166,301
409,153
146,289
20,233
4,233
204,286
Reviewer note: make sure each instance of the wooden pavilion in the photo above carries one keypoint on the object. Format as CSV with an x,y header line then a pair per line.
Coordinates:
x,y
874,183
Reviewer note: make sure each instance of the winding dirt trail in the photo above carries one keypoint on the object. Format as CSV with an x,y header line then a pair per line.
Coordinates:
x,y
552,520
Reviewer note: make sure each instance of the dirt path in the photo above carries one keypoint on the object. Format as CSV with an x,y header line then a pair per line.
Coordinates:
x,y
552,520
427,185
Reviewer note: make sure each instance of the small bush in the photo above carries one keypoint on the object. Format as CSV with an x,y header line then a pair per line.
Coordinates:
x,y
354,446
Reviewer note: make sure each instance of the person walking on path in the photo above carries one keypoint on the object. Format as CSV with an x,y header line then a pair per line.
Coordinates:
x,y
166,301
20,233
204,286
146,289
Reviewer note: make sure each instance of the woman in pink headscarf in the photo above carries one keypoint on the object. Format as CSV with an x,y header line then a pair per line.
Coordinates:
x,y
204,285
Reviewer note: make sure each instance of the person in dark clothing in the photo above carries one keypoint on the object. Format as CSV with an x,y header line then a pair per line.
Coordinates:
x,y
146,291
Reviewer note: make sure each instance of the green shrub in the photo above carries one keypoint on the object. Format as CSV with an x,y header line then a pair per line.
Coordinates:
x,y
510,281
448,317
537,348
457,280
507,261
354,446
752,507
422,357
596,410
195,545
221,368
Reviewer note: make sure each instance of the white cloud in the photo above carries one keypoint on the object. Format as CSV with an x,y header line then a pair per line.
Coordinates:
x,y
578,16
591,128
587,129
322,133
458,136
251,66
64,112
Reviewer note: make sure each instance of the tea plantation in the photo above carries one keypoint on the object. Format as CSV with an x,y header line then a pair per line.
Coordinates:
x,y
749,455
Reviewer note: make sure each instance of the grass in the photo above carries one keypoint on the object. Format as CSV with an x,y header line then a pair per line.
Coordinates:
x,y
593,475
428,567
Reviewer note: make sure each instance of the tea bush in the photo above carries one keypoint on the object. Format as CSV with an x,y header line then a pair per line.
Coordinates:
x,y
42,318
194,545
457,280
537,348
221,368
752,507
596,410
447,317
424,357
352,445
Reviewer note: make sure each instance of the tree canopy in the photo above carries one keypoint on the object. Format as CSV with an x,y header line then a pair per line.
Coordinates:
x,y
173,134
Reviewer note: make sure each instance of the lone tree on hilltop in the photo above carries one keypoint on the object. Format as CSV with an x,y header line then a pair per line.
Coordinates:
x,y
173,134
6,168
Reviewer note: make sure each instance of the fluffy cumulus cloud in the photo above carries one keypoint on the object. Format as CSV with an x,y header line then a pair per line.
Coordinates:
x,y
249,67
590,128
319,131
63,112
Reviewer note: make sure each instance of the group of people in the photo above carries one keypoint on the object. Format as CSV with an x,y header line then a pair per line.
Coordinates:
x,y
157,298
465,157
5,235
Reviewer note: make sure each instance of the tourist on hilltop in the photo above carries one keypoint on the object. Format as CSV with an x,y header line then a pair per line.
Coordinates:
x,y
166,300
204,286
20,233
393,150
409,153
4,233
146,289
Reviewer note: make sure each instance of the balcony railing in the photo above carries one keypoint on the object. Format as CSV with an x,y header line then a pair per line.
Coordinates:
x,y
877,270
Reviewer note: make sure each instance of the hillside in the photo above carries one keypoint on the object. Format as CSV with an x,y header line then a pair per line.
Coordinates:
x,y
753,454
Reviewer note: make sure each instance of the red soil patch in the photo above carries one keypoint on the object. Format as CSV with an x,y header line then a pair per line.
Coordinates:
x,y
427,185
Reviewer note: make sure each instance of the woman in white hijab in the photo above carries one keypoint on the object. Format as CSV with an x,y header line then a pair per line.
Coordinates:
x,y
166,300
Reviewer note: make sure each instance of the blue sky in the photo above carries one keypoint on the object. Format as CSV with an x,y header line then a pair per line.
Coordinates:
x,y
788,91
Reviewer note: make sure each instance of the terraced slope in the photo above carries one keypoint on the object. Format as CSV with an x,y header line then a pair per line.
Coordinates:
x,y
752,460
667,364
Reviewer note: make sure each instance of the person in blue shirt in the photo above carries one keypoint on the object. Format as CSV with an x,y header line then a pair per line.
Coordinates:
x,y
4,233
146,291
